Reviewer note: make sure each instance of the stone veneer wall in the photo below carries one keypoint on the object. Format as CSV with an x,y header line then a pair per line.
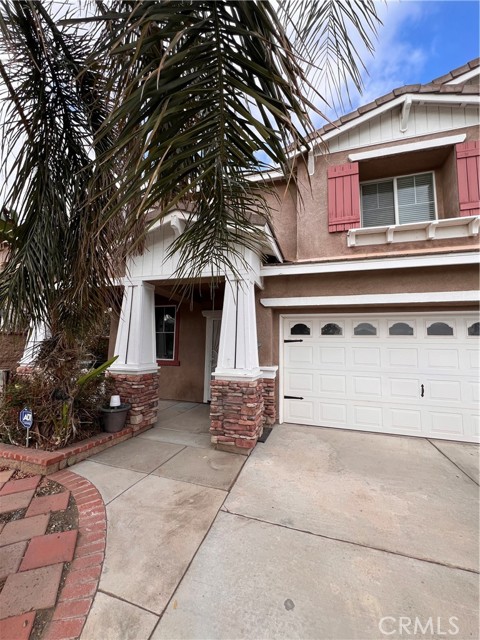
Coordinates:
x,y
238,412
141,391
269,404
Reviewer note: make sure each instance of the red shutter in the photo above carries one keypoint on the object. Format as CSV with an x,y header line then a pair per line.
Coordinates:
x,y
343,197
468,175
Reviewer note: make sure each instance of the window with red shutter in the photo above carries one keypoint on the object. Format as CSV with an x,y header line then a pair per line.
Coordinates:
x,y
468,175
343,197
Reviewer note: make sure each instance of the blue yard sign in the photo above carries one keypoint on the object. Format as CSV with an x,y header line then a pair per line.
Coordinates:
x,y
26,418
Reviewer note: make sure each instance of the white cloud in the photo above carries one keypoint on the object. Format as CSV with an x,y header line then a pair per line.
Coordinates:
x,y
395,61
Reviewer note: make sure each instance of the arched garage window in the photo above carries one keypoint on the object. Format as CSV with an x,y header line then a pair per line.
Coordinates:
x,y
300,330
439,329
332,329
474,329
400,329
365,329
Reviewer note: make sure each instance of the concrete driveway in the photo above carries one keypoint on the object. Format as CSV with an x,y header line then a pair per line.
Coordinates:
x,y
324,534
338,535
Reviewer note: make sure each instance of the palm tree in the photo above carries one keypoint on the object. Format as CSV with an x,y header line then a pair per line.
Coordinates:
x,y
135,106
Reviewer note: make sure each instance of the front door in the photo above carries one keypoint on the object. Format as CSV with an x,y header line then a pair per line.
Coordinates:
x,y
212,342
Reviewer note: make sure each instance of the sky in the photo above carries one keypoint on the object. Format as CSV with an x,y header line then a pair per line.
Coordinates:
x,y
420,40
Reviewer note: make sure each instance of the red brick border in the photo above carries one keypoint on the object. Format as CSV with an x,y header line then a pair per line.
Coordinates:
x,y
76,597
47,462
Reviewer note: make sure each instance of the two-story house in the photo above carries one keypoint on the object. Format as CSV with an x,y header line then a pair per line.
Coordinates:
x,y
362,313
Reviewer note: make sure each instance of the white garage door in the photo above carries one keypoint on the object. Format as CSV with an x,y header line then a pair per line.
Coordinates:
x,y
407,374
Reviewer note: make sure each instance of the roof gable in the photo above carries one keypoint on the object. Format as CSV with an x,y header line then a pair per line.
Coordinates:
x,y
455,88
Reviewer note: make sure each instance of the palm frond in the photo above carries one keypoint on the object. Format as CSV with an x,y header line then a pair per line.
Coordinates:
x,y
60,248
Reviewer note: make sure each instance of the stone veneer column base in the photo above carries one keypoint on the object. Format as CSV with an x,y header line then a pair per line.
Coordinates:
x,y
269,404
141,391
236,414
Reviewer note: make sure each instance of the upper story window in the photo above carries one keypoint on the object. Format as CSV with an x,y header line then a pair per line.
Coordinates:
x,y
166,334
398,200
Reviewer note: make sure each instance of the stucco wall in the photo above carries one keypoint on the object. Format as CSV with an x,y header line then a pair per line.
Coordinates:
x,y
185,382
283,207
448,177
313,239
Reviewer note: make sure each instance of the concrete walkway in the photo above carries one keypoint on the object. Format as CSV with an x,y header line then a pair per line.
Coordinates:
x,y
325,534
162,491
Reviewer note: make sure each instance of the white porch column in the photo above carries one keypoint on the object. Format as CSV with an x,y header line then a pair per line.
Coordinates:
x,y
237,406
37,334
135,344
238,351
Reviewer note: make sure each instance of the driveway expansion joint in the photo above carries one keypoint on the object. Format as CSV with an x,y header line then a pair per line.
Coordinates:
x,y
351,542
454,463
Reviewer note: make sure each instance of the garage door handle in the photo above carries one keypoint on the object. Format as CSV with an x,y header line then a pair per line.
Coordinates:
x,y
293,340
292,398
423,391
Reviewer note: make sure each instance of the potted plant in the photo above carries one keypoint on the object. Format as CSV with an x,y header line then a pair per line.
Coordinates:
x,y
115,416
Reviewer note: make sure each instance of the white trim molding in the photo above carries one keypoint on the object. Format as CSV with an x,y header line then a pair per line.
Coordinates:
x,y
465,76
445,141
269,373
446,228
373,264
375,299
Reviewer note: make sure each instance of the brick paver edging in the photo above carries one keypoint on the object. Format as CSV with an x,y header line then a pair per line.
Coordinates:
x,y
48,462
78,592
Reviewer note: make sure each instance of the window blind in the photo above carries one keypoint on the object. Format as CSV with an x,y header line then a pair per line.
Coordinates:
x,y
416,201
378,207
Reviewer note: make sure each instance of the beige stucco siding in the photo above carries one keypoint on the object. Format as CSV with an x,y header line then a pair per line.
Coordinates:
x,y
185,382
282,203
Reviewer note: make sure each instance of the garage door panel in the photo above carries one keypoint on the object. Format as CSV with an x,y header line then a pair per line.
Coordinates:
x,y
333,413
445,390
366,356
402,357
300,355
421,384
473,359
367,386
404,388
472,392
332,355
300,382
332,384
474,425
447,423
368,416
406,420
441,358
298,410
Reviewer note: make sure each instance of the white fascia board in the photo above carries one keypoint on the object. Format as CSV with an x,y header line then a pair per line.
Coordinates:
x,y
415,97
374,264
273,244
266,176
465,76
405,148
374,299
446,98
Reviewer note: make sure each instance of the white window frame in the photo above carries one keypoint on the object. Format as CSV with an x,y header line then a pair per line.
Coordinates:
x,y
173,360
395,195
